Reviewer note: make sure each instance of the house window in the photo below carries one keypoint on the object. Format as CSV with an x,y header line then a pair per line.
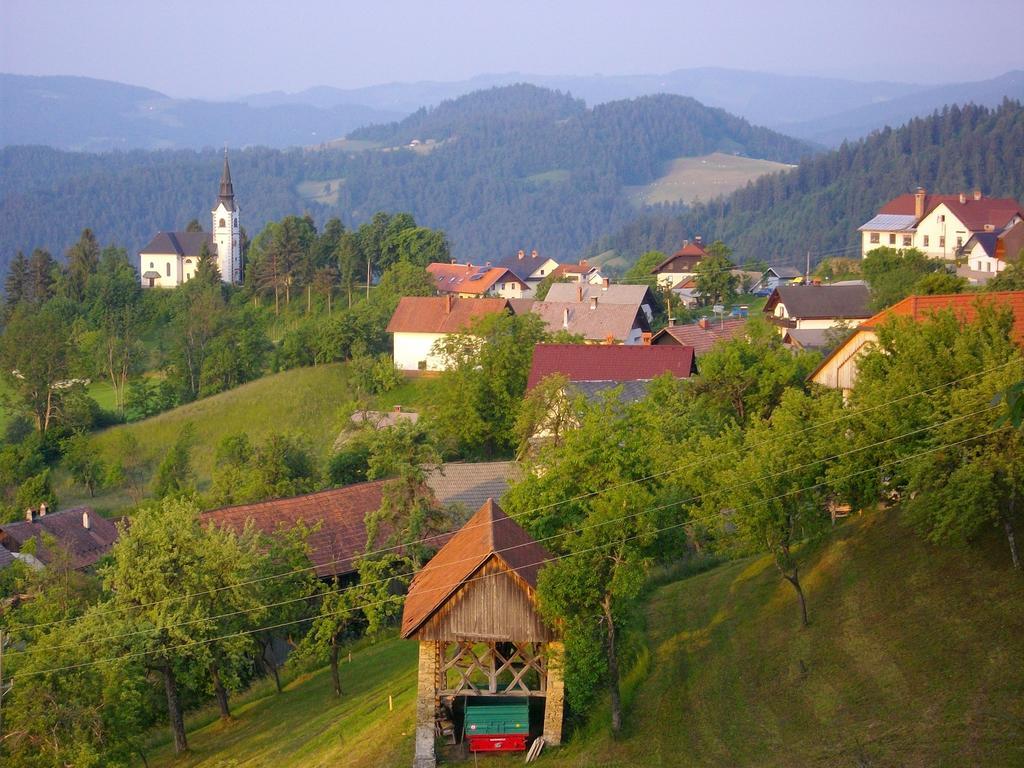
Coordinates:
x,y
926,241
874,238
942,241
892,239
542,273
168,269
942,218
908,240
959,241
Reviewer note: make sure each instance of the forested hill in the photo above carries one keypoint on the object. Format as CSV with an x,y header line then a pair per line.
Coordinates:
x,y
818,206
510,168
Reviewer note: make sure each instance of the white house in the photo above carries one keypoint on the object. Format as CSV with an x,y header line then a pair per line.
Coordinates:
x,y
530,267
421,321
940,226
171,258
817,307
470,281
681,265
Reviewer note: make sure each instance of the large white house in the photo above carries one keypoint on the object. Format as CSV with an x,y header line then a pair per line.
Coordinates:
x,y
942,226
171,258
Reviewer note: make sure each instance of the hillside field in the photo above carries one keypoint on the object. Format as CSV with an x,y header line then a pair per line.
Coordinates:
x,y
902,665
688,179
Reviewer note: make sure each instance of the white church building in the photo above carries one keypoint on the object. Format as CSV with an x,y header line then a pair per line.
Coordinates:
x,y
171,258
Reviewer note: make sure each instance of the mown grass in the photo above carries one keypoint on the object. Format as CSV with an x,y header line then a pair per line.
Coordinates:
x,y
687,179
306,725
912,659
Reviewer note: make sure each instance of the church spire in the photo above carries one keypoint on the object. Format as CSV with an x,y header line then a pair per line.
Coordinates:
x,y
227,192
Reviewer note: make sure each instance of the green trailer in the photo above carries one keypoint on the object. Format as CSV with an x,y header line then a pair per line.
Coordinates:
x,y
497,727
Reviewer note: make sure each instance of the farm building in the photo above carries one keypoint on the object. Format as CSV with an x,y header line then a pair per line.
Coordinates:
x,y
473,609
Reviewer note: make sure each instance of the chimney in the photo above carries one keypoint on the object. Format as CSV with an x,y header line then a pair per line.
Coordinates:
x,y
919,196
521,254
86,523
647,335
583,263
565,318
29,514
703,323
699,240
671,322
593,302
977,193
579,293
42,509
447,303
533,254
605,282
963,198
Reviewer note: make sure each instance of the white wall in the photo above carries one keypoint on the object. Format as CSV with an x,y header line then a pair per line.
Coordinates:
x,y
160,262
411,348
941,228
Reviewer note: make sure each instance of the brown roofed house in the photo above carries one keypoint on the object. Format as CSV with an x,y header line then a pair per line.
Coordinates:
x,y
470,281
340,514
817,307
420,321
81,533
702,335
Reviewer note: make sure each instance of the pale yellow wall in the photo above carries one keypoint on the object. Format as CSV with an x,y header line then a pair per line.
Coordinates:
x,y
411,348
162,263
840,372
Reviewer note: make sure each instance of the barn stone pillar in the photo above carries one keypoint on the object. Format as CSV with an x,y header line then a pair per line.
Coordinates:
x,y
426,704
554,700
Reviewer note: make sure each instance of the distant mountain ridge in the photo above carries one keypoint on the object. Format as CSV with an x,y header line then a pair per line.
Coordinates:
x,y
86,114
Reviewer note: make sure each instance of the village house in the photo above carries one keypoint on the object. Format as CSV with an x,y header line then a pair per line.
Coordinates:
x,y
468,281
592,371
987,253
682,264
940,226
578,273
79,534
807,312
606,293
530,267
172,258
336,519
595,321
773,277
702,335
839,369
420,321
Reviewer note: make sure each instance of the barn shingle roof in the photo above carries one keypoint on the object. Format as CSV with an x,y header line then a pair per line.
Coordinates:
x,y
488,533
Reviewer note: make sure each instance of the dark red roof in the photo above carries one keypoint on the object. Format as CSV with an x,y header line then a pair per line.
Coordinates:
x,y
84,545
975,214
440,314
609,362
341,513
700,338
488,533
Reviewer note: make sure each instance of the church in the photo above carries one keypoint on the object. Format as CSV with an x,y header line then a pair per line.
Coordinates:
x,y
171,258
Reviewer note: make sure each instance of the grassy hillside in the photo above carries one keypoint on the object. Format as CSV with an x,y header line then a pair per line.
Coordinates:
x,y
688,179
903,664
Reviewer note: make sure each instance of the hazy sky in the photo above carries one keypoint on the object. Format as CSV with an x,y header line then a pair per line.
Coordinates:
x,y
213,49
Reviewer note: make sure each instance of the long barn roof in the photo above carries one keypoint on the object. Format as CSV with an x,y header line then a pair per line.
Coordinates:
x,y
489,532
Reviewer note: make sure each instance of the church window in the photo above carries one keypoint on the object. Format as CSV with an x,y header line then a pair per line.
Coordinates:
x,y
168,269
188,261
221,223
151,265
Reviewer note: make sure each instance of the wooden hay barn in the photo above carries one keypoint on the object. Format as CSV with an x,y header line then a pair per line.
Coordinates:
x,y
473,609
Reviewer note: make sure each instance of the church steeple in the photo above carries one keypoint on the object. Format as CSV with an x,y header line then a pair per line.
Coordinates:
x,y
227,192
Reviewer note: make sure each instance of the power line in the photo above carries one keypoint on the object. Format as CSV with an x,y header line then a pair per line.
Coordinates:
x,y
434,537
446,587
289,601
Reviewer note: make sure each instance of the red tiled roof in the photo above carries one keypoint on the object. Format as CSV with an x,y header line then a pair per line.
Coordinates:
x,y
488,533
975,214
701,339
431,314
459,278
84,545
589,362
341,513
964,305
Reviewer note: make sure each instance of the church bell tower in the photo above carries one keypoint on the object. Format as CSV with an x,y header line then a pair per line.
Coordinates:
x,y
226,234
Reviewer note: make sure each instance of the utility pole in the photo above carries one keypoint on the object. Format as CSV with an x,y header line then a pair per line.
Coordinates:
x,y
367,277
